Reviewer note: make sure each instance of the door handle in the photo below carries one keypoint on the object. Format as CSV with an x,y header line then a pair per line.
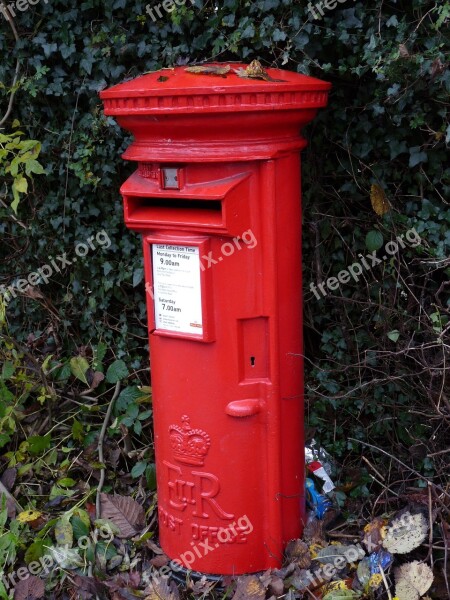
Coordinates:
x,y
243,408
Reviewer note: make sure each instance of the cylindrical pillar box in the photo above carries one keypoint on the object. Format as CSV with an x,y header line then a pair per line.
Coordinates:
x,y
216,197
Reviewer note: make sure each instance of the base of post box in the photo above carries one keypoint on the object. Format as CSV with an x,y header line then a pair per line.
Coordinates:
x,y
180,576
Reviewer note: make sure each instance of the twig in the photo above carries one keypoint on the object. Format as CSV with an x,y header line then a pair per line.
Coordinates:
x,y
308,591
343,535
438,453
100,459
366,460
438,487
16,73
13,217
69,149
430,534
385,582
444,569
100,449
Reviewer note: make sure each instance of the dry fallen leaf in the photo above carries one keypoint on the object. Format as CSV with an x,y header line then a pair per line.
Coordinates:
x,y
412,580
329,554
403,51
379,201
298,552
27,516
202,587
97,378
255,70
276,586
405,533
88,587
9,478
161,589
29,589
124,512
209,70
159,561
249,587
373,534
314,532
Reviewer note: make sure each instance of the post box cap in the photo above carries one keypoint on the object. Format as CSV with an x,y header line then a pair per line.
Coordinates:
x,y
176,90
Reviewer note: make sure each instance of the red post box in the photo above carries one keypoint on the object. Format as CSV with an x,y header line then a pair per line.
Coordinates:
x,y
216,197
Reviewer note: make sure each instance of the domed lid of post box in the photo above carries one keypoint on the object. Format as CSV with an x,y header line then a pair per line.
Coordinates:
x,y
178,115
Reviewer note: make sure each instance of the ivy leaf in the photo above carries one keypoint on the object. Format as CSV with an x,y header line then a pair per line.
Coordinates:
x,y
127,396
374,240
117,371
77,431
64,532
7,369
79,366
138,276
138,469
36,550
394,335
80,529
37,444
150,476
417,156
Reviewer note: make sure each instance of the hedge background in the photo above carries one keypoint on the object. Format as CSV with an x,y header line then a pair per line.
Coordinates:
x,y
377,350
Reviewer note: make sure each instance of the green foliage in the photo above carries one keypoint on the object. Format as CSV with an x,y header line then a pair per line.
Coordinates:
x,y
18,162
386,124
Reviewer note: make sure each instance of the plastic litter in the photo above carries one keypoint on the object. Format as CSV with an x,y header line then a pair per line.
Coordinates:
x,y
314,452
318,502
319,462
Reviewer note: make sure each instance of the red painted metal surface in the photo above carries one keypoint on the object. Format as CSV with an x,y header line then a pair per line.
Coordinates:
x,y
216,197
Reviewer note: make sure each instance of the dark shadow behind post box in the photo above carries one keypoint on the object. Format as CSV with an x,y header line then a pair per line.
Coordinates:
x,y
216,197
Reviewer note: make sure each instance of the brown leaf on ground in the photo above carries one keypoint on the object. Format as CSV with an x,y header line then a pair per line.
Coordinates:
x,y
298,552
29,589
412,580
276,586
9,478
403,50
159,561
124,581
97,378
405,532
88,587
249,587
300,580
154,547
11,508
161,589
203,587
373,534
126,513
314,532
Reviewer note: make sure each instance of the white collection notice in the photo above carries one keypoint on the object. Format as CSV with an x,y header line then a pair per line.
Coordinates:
x,y
177,288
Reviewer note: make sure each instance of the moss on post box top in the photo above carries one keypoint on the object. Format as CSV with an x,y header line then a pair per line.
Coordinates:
x,y
177,90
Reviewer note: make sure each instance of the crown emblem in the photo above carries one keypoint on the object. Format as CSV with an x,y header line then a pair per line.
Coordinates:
x,y
190,446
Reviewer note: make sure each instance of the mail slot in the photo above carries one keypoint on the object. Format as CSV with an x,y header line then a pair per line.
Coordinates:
x,y
216,199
